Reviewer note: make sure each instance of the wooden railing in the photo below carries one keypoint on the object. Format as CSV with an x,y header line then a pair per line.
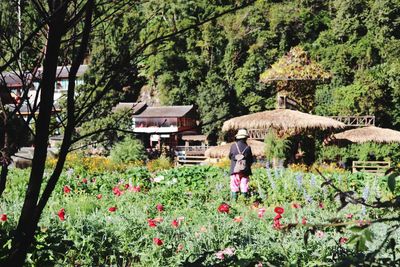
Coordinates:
x,y
355,120
257,133
190,155
377,167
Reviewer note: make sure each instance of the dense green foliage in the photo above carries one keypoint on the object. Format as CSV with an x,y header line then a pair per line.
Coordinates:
x,y
365,152
357,42
86,232
128,150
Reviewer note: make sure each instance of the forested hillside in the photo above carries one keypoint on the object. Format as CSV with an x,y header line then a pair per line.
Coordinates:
x,y
217,65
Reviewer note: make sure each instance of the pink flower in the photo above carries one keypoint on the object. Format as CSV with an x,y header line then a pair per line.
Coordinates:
x,y
349,216
277,225
136,188
126,186
3,217
259,264
223,208
279,210
160,207
175,223
321,205
84,180
61,214
304,221
66,189
112,209
157,241
220,255
238,219
277,217
152,223
99,196
343,240
229,251
319,234
296,206
179,248
261,212
117,191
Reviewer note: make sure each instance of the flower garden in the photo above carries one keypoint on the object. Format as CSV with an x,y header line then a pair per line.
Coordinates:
x,y
184,217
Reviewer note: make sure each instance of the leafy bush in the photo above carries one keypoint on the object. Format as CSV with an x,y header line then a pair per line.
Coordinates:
x,y
365,151
162,163
275,147
128,150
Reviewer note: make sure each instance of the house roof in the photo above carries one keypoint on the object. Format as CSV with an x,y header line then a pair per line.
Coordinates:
x,y
13,80
63,71
136,107
165,112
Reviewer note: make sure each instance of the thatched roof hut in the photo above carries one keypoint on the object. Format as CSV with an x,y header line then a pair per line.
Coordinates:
x,y
282,119
369,134
222,151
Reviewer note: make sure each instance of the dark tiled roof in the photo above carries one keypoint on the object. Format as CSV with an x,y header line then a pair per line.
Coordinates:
x,y
165,112
13,80
63,71
136,107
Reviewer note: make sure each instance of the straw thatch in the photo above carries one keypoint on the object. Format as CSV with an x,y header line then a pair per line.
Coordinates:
x,y
257,148
282,119
370,134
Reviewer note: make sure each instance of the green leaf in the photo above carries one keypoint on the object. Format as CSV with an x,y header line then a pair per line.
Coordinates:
x,y
392,181
368,235
356,229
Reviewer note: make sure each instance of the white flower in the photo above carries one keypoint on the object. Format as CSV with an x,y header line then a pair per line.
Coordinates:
x,y
158,179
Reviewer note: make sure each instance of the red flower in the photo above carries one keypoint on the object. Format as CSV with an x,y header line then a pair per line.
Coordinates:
x,y
117,191
160,207
99,196
321,205
343,240
126,186
175,223
277,225
84,180
223,208
296,206
277,217
157,241
136,188
304,221
279,210
152,223
112,209
3,217
61,214
67,189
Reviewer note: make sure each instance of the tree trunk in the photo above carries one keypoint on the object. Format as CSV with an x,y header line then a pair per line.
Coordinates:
x,y
3,178
29,218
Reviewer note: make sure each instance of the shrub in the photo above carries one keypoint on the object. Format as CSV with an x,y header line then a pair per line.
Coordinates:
x,y
127,151
162,163
275,147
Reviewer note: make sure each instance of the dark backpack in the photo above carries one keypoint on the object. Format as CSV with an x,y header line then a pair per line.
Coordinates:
x,y
240,163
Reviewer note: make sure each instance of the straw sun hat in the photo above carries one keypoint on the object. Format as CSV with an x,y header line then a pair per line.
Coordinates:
x,y
242,133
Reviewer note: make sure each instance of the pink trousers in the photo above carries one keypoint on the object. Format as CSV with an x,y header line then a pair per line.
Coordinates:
x,y
239,181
